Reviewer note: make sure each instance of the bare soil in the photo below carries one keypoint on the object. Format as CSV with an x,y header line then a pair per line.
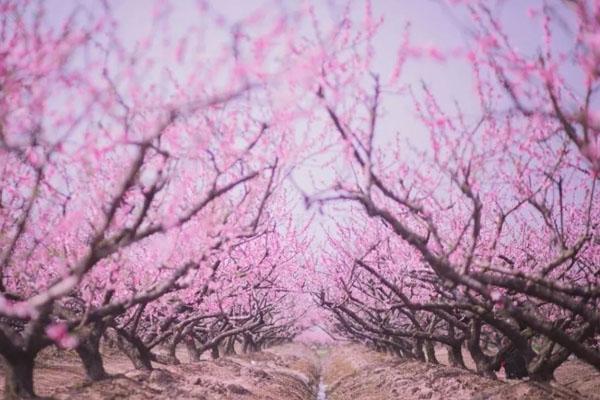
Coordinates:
x,y
353,372
284,372
297,372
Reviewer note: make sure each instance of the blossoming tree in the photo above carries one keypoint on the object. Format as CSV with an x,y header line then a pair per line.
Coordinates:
x,y
492,230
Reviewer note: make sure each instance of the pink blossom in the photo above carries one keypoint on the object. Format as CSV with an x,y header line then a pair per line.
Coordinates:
x,y
496,295
488,42
34,157
436,54
68,342
57,331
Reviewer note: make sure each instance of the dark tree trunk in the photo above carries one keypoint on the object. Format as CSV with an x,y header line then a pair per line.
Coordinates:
x,y
230,346
455,357
89,353
214,352
430,352
92,362
165,359
418,350
249,345
18,377
135,350
483,363
542,369
172,355
543,374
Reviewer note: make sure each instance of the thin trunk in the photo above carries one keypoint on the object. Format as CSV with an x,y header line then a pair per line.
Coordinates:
x,y
165,359
430,352
171,357
418,350
230,346
249,344
190,345
92,361
455,357
214,352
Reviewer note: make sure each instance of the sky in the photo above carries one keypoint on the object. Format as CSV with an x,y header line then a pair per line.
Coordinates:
x,y
433,23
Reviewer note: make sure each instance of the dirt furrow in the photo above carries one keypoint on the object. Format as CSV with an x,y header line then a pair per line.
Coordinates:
x,y
354,372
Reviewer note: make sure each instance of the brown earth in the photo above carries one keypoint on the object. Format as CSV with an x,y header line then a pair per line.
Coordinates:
x,y
293,371
284,372
353,372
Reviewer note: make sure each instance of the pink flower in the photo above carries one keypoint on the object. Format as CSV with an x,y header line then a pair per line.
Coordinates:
x,y
68,342
59,333
56,332
488,42
34,158
436,54
496,295
440,122
497,298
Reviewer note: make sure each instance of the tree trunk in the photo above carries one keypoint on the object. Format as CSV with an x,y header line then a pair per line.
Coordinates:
x,y
89,353
418,350
230,346
190,345
18,377
542,369
483,363
92,362
455,357
249,345
172,356
430,352
214,352
543,374
135,350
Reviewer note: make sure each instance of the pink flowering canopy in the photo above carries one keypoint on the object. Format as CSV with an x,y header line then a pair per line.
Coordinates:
x,y
217,176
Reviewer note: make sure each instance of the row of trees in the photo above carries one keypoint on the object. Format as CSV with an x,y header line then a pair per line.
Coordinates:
x,y
145,195
142,185
489,239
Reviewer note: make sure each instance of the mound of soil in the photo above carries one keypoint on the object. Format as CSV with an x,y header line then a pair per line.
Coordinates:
x,y
353,372
297,372
284,372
